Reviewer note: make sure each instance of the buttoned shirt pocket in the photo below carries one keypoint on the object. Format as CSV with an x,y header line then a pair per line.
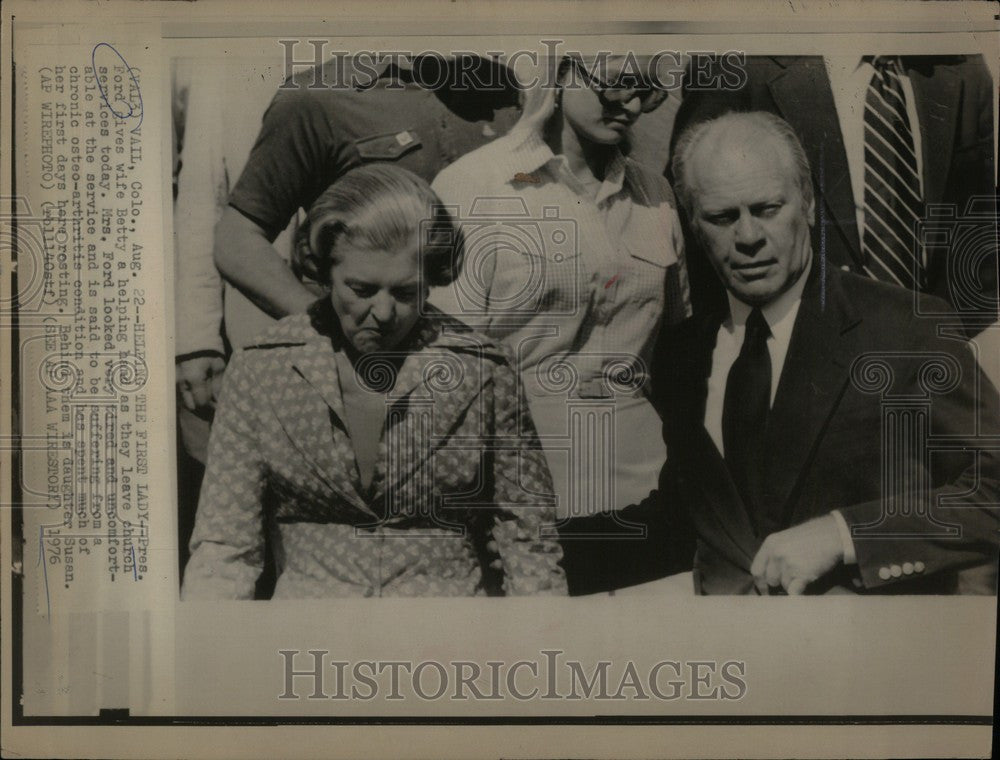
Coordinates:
x,y
653,235
655,247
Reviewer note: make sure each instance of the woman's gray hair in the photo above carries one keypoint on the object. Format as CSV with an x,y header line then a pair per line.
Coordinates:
x,y
769,122
383,207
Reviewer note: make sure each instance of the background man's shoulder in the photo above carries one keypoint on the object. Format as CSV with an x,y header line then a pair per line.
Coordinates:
x,y
896,316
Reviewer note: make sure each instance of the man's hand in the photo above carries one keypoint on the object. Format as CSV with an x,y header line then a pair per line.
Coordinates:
x,y
794,558
197,381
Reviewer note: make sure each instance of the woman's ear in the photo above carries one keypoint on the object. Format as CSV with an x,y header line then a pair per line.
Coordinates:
x,y
305,263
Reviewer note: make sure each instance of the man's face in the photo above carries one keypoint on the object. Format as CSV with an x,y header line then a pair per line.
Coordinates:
x,y
749,213
376,295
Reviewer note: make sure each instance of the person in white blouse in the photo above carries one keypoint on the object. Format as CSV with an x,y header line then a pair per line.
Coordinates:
x,y
574,258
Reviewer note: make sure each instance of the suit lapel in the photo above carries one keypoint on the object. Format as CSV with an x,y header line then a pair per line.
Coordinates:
x,y
407,443
718,508
330,455
936,93
803,95
732,534
812,382
441,375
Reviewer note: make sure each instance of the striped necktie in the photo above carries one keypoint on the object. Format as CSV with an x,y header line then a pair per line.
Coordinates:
x,y
892,186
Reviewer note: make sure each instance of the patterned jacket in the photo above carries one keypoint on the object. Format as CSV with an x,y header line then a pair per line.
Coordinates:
x,y
460,489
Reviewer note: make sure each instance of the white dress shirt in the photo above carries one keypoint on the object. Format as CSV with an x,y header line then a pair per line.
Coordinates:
x,y
850,76
592,300
780,316
577,278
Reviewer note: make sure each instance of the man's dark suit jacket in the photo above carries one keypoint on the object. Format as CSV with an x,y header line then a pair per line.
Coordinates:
x,y
824,451
953,98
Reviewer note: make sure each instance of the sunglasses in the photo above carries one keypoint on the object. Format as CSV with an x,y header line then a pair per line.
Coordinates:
x,y
619,93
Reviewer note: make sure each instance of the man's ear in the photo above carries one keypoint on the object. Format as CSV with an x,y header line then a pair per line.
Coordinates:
x,y
811,211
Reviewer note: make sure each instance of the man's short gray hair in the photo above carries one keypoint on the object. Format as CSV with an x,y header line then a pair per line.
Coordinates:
x,y
769,122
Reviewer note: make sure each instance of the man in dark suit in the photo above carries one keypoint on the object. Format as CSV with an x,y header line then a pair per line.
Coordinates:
x,y
842,109
821,435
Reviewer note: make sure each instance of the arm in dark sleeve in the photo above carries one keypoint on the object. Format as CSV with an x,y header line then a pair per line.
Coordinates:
x,y
654,538
640,543
974,164
962,272
980,84
965,485
291,163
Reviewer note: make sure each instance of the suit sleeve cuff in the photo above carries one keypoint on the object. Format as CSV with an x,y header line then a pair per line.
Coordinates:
x,y
850,556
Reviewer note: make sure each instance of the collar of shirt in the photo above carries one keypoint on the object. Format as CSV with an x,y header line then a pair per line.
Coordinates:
x,y
850,76
530,153
840,68
779,314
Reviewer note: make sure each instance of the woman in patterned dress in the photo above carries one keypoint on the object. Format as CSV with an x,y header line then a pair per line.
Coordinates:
x,y
380,446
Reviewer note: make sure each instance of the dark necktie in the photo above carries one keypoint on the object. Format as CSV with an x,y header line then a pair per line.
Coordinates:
x,y
892,186
744,411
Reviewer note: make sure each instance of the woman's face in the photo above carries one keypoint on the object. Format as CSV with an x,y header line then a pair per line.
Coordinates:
x,y
593,118
376,294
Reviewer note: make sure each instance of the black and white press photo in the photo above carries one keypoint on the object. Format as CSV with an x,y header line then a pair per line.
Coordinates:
x,y
683,383
581,380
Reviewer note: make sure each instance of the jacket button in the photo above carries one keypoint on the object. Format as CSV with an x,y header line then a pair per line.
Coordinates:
x,y
884,573
896,571
845,267
918,566
907,568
